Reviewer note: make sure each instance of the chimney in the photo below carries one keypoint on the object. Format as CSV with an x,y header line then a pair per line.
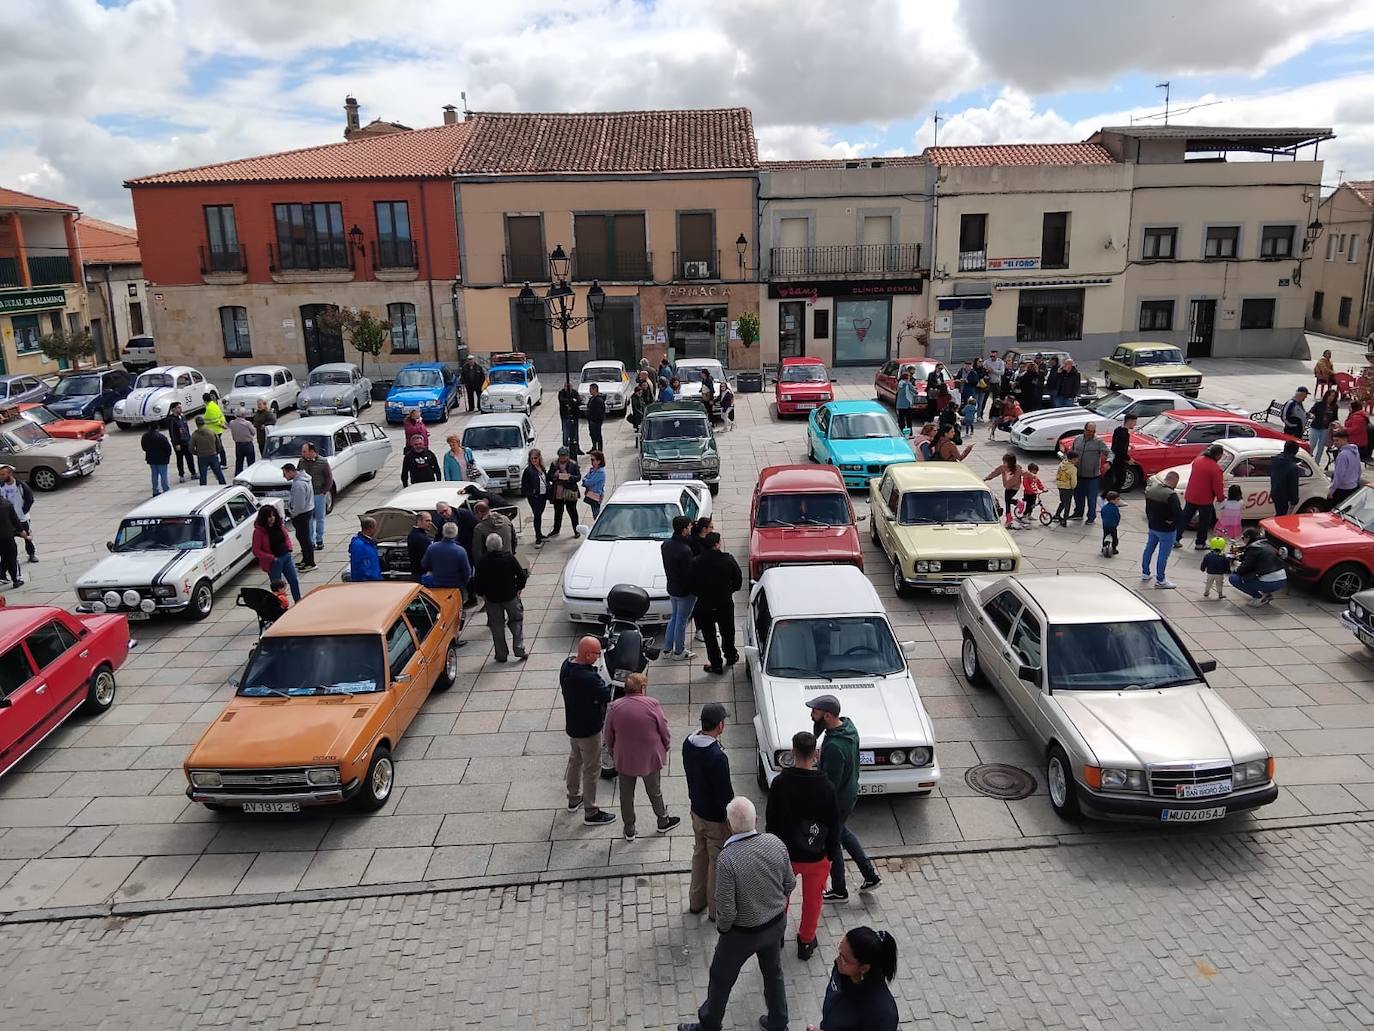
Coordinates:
x,y
351,113
450,115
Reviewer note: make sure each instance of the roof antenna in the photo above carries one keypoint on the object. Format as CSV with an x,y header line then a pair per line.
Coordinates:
x,y
937,119
1165,87
463,96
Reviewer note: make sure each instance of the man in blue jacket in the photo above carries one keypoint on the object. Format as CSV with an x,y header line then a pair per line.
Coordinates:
x,y
708,788
445,563
364,563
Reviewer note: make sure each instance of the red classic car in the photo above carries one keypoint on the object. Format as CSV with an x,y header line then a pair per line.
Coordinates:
x,y
885,380
803,384
53,662
801,513
74,429
1331,551
1177,437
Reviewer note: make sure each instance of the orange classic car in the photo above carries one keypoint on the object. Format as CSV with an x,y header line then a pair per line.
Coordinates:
x,y
327,694
59,426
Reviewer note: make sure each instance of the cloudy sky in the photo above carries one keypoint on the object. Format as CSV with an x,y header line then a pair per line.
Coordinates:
x,y
93,92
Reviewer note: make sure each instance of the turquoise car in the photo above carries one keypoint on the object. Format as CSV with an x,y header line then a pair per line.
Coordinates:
x,y
860,438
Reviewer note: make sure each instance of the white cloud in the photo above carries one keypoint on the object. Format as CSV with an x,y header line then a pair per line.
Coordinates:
x,y
1012,117
784,142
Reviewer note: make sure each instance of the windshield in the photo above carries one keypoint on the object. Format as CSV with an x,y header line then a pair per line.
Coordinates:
x,y
419,378
1109,407
23,434
852,646
168,533
318,379
692,373
790,510
601,374
516,376
635,522
315,665
863,426
77,386
40,415
953,506
675,427
152,379
1159,356
491,438
253,379
1116,657
288,445
1162,427
804,374
1359,509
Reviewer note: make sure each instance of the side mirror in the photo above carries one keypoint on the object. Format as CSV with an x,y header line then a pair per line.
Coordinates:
x,y
109,545
583,530
1208,666
997,505
908,648
751,654
860,517
234,683
5,703
1030,674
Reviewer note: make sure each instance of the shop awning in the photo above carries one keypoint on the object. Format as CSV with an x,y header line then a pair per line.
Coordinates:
x,y
1053,284
971,302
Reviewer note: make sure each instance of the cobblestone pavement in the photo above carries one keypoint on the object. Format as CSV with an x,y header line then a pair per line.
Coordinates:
x,y
1263,930
98,816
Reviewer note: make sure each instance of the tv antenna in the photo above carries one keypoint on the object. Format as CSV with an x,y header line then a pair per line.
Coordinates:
x,y
937,119
1165,87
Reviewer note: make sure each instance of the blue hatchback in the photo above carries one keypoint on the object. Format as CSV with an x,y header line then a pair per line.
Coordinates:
x,y
860,438
431,388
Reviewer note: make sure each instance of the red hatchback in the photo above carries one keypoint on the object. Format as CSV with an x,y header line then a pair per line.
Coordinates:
x,y
801,513
53,662
1177,437
1332,552
803,384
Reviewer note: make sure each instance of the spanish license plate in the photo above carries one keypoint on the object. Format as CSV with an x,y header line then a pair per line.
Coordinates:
x,y
138,614
866,759
944,590
1192,815
679,476
1217,787
872,789
1365,636
806,406
502,407
271,807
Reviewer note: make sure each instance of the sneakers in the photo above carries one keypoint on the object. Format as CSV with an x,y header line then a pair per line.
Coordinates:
x,y
574,805
668,823
684,655
1165,585
1144,578
1199,546
521,656
871,883
717,671
305,567
1106,550
629,835
599,818
831,895
805,950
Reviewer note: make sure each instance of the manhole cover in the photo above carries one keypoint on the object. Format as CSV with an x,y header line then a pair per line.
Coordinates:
x,y
1000,781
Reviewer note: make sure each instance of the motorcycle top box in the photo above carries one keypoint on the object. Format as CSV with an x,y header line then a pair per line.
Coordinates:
x,y
628,602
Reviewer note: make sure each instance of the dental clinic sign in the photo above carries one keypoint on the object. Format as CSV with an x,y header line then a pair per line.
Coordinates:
x,y
1012,264
32,300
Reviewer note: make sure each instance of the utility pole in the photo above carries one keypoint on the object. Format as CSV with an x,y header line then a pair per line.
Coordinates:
x,y
937,120
1165,87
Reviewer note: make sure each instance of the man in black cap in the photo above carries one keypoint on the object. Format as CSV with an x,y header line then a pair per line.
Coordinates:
x,y
1294,414
708,788
840,764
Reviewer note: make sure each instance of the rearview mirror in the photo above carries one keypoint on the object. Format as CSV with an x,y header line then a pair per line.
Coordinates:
x,y
1030,674
1208,666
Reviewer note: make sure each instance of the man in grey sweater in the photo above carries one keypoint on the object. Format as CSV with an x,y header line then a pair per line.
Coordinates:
x,y
753,881
1093,455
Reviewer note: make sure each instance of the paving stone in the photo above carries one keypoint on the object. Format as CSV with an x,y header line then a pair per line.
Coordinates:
x,y
339,868
458,861
95,880
274,871
155,877
214,875
392,865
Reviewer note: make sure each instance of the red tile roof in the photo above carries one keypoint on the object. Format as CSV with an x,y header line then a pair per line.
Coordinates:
x,y
399,155
1020,154
104,243
28,202
612,141
1364,189
897,161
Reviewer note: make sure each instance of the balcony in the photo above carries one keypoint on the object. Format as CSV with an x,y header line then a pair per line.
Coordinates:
x,y
217,259
620,268
525,268
392,252
696,265
311,265
50,271
9,272
862,259
973,261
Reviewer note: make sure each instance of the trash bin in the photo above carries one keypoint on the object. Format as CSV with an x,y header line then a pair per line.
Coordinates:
x,y
750,382
380,388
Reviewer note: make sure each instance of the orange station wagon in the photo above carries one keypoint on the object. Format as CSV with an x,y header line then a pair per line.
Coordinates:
x,y
327,693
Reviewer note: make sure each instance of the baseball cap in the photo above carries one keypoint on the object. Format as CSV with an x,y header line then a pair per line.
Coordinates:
x,y
826,703
564,453
1302,390
711,715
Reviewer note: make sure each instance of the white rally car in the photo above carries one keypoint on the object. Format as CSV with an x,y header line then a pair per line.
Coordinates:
x,y
274,384
1043,430
172,553
511,387
624,546
1245,462
155,391
500,445
612,383
813,630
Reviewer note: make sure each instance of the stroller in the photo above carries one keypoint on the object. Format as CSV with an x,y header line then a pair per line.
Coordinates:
x,y
263,602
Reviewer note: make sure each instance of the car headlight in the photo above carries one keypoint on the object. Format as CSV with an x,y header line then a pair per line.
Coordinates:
x,y
1357,610
935,565
431,403
787,397
648,463
1257,771
1006,564
921,756
896,757
111,599
782,758
825,397
206,779
711,461
923,566
325,776
852,468
164,591
1123,780
89,593
1295,553
119,406
513,472
131,597
71,462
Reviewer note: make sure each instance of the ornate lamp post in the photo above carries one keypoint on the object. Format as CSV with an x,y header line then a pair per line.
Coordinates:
x,y
560,303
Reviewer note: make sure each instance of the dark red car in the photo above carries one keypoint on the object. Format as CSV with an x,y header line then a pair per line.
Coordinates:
x,y
885,379
803,384
1332,552
801,513
1177,437
52,663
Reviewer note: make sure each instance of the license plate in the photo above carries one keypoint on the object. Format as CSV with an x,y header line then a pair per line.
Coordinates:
x,y
1220,787
872,789
271,807
866,759
138,614
679,476
944,590
1192,815
499,407
806,405
1365,636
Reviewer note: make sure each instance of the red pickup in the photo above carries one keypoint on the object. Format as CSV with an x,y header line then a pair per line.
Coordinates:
x,y
801,513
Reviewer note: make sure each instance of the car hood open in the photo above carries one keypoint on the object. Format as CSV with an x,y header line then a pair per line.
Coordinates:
x,y
265,473
597,566
272,732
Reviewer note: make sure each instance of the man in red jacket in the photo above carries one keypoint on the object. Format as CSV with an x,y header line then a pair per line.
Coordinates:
x,y
1357,428
1206,485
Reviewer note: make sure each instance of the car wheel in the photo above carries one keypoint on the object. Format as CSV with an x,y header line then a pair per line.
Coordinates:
x,y
370,476
607,764
762,775
1313,505
125,425
873,530
1063,790
43,478
100,694
1130,478
202,600
275,410
1138,385
810,452
450,671
714,488
899,581
380,779
443,414
968,661
1343,582
355,408
329,500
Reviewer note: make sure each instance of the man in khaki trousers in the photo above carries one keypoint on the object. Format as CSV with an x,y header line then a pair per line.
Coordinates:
x,y
585,697
708,787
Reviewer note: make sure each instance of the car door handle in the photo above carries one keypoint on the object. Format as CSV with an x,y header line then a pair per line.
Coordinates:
x,y
85,652
40,689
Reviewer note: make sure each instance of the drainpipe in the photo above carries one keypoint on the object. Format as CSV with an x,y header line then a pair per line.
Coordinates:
x,y
934,257
429,273
109,312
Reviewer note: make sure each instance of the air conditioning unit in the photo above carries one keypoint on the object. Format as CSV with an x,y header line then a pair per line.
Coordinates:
x,y
696,269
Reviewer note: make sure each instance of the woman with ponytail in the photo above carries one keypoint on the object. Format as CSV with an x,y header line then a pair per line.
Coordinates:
x,y
857,997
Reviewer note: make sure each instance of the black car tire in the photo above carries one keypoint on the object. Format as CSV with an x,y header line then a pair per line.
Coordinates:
x,y
100,692
1343,582
969,664
202,601
44,479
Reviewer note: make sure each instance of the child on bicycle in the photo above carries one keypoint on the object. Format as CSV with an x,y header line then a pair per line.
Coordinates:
x,y
1031,489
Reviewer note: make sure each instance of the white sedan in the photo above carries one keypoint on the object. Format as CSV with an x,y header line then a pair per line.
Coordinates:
x,y
624,546
1042,430
155,391
1246,464
612,383
354,450
813,630
500,445
688,372
275,384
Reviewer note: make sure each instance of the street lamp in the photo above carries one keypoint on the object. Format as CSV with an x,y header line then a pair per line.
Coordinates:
x,y
355,242
741,245
1314,230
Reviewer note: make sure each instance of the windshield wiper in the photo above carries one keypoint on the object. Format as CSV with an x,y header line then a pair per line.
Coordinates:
x,y
1177,682
269,690
854,673
808,521
778,670
780,522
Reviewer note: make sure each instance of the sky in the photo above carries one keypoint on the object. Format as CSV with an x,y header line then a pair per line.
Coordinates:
x,y
100,91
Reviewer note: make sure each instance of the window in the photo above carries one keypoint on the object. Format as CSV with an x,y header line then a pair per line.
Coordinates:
x,y
1054,240
1221,242
1353,249
405,336
1331,247
223,237
15,671
55,321
1276,241
1003,610
26,333
610,247
1156,315
400,648
47,643
73,322
973,242
310,236
531,333
1025,641
1045,315
1318,299
241,509
233,327
221,523
526,260
135,319
395,248
422,615
696,242
1257,313
1205,433
1159,243
1343,314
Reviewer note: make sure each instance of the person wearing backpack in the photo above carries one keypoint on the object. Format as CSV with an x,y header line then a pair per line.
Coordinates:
x,y
804,812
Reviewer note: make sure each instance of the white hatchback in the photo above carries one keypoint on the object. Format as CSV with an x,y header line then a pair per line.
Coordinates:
x,y
1246,463
500,444
274,384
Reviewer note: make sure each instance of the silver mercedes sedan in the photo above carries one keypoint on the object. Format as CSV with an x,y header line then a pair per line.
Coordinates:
x,y
1127,725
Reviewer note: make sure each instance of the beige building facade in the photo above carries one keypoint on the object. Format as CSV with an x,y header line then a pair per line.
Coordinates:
x,y
41,289
1340,276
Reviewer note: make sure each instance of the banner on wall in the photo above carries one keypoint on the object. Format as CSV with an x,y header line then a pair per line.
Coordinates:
x,y
810,291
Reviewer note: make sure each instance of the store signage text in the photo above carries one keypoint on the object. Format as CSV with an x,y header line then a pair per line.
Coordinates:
x,y
32,300
844,288
1006,264
698,291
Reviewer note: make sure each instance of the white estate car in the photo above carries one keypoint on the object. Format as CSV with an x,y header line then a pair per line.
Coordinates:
x,y
688,373
274,384
511,388
813,630
1246,464
172,553
155,391
353,449
500,444
612,383
624,546
1042,430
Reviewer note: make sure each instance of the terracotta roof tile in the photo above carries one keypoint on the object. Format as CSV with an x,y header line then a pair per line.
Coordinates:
x,y
613,141
1364,189
399,155
896,160
104,243
1021,154
27,201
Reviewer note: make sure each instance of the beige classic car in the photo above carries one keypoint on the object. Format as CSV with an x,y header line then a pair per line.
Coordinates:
x,y
44,460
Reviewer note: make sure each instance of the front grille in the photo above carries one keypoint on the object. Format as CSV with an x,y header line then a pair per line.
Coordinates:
x,y
963,565
1165,783
875,469
262,781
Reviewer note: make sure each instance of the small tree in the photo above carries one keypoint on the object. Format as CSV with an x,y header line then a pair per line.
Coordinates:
x,y
64,345
366,333
913,326
748,326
